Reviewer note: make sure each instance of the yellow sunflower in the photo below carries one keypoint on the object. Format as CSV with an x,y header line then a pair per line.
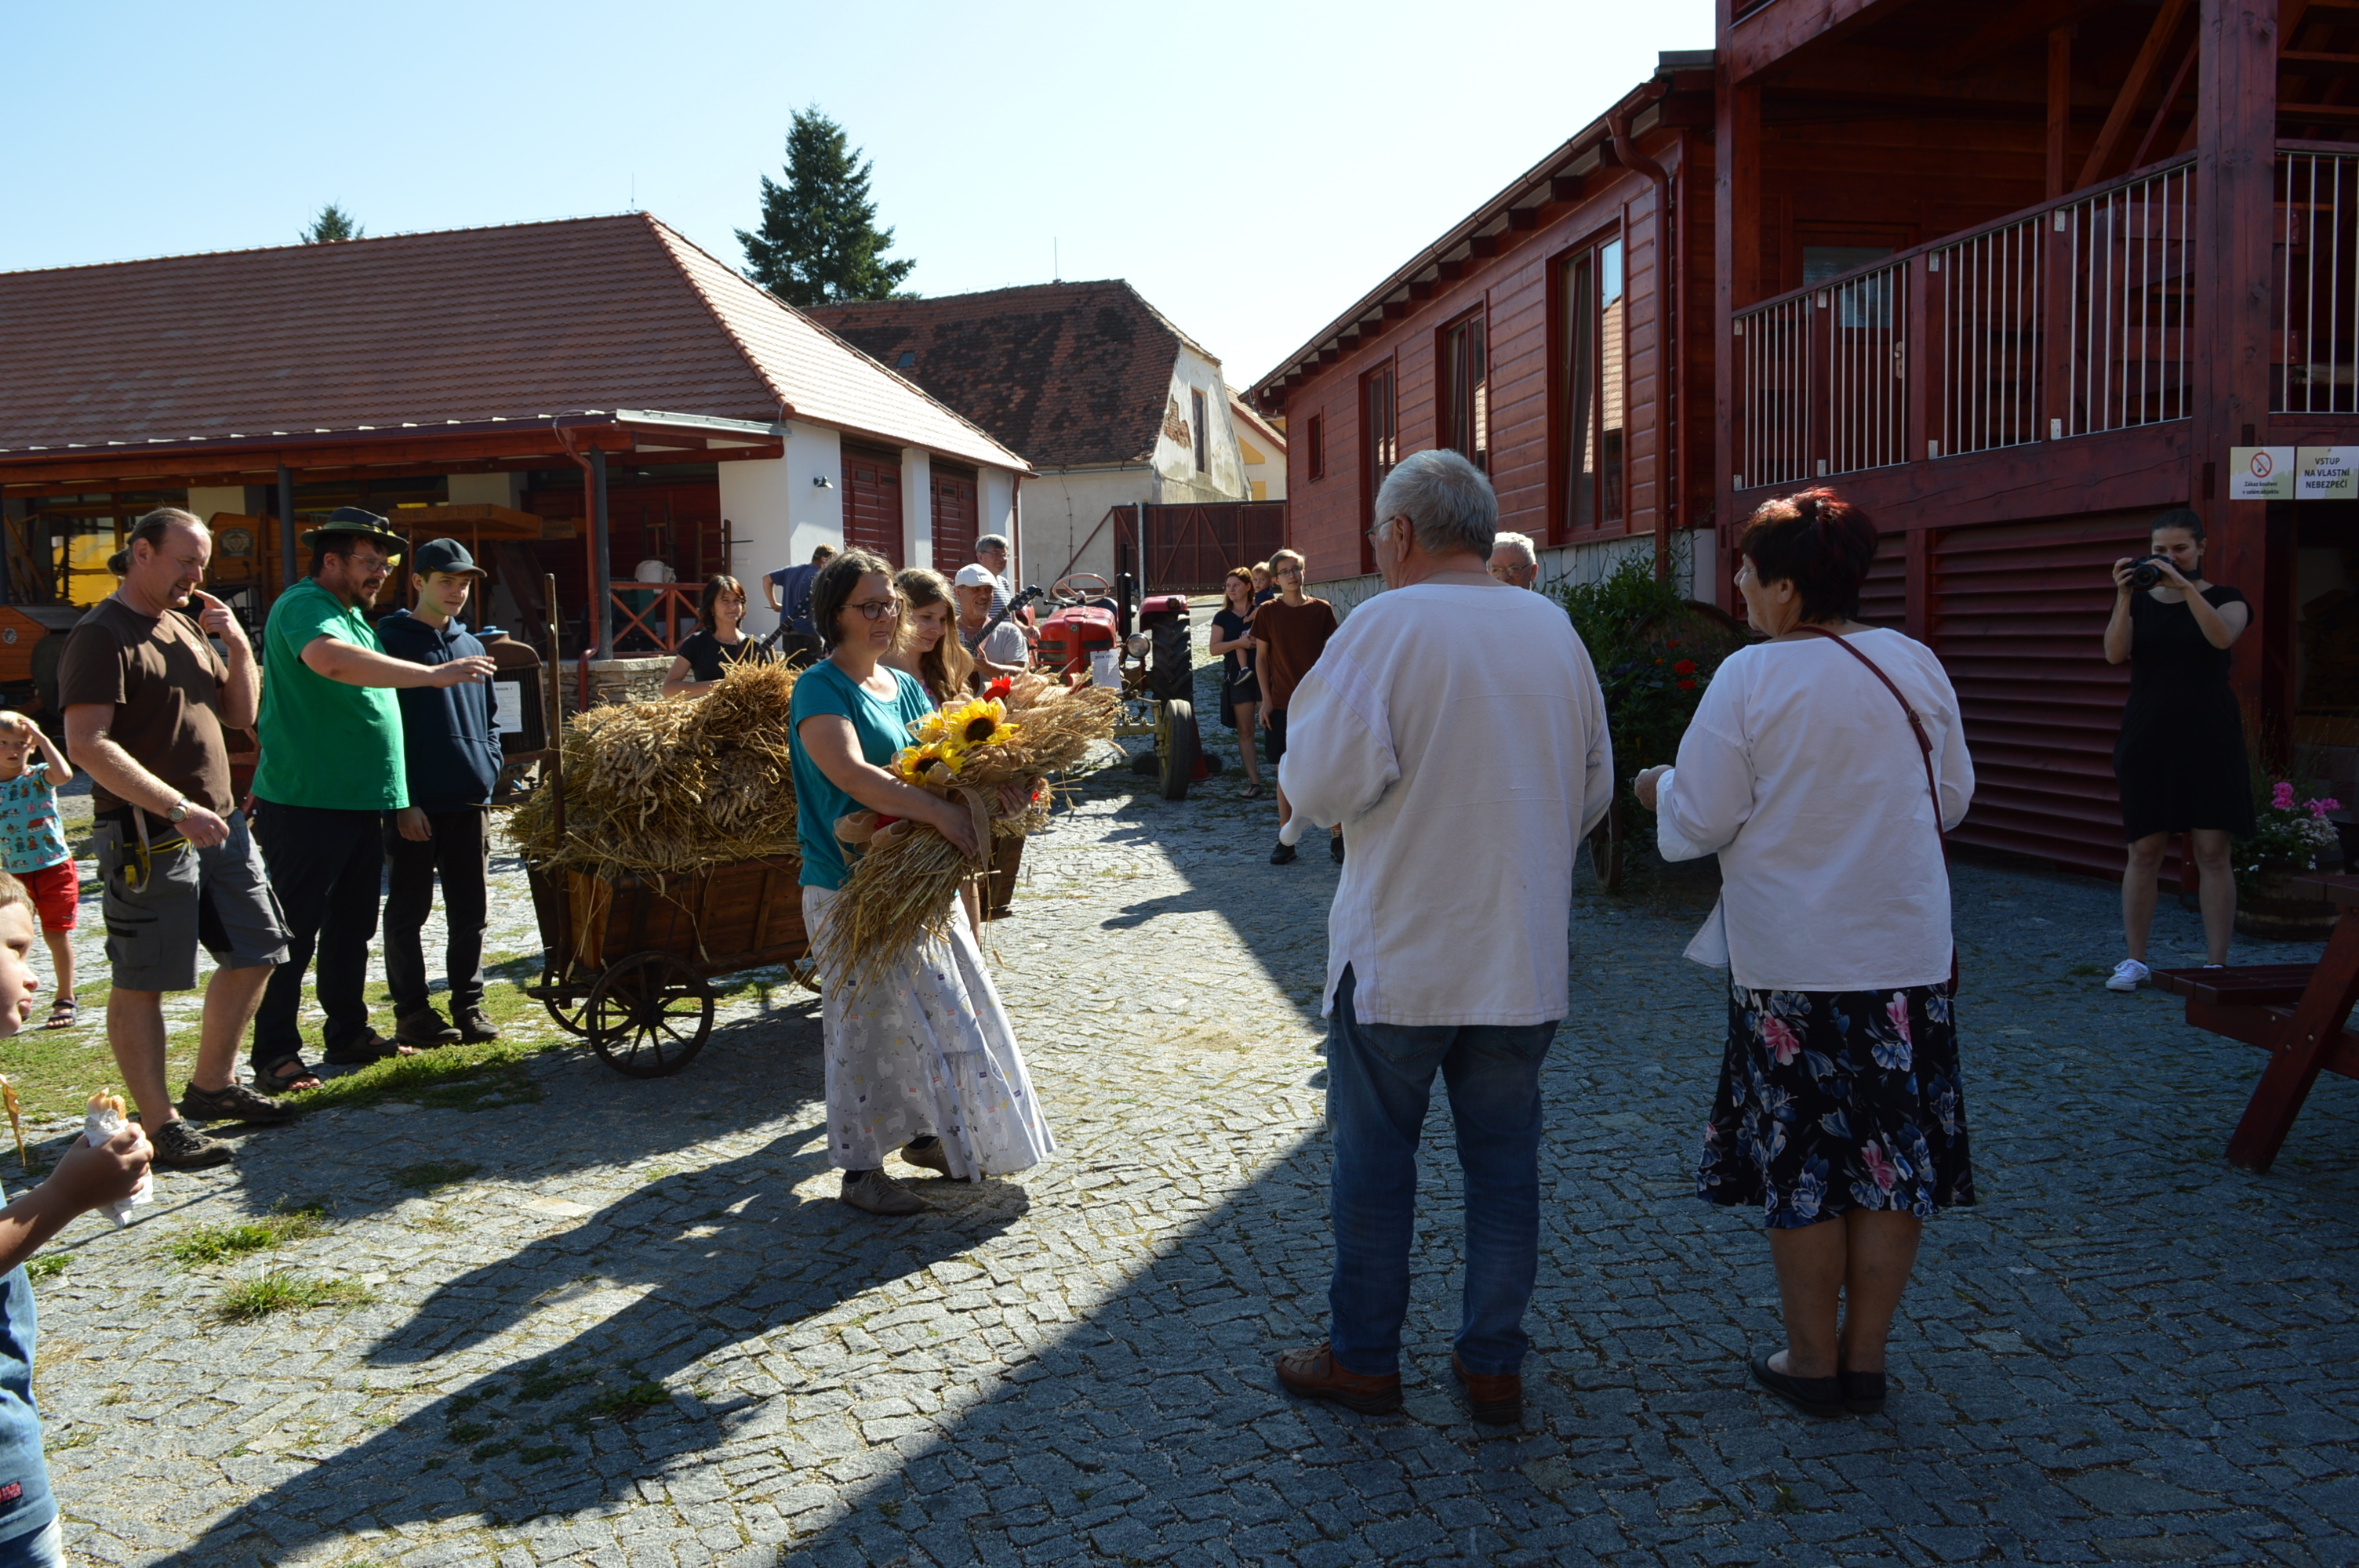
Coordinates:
x,y
915,764
930,728
977,722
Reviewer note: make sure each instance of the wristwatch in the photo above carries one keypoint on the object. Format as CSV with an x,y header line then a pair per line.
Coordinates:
x,y
178,813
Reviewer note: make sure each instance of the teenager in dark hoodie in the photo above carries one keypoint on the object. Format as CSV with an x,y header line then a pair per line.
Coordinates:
x,y
451,756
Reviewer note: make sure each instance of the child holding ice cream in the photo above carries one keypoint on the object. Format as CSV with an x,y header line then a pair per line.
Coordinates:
x,y
33,845
86,1178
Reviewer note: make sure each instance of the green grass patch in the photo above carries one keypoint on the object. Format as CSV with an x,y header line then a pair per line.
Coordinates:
x,y
469,1431
49,1267
543,1381
542,1454
626,1402
249,1300
433,1175
2086,970
491,1450
455,1078
209,1244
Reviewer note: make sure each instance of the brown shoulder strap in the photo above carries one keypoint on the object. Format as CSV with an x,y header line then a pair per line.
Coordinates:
x,y
1916,725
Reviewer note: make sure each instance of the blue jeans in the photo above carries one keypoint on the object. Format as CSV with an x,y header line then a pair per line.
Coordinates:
x,y
43,1548
1379,1077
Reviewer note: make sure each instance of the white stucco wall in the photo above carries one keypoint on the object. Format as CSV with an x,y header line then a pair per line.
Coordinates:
x,y
1060,508
776,514
998,500
917,509
1263,456
1224,476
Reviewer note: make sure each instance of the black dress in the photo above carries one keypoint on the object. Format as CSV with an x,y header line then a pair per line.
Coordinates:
x,y
1238,681
2181,758
708,655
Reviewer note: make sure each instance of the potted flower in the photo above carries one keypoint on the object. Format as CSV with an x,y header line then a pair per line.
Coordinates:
x,y
2291,837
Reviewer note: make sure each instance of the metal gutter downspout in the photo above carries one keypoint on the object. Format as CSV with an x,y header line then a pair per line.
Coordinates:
x,y
1667,281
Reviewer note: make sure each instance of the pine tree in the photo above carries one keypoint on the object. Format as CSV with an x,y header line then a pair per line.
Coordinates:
x,y
334,224
819,242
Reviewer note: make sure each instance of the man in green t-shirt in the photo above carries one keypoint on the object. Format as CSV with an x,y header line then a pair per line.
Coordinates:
x,y
331,770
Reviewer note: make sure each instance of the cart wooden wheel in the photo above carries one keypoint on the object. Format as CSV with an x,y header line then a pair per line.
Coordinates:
x,y
648,1015
1606,841
566,1016
1176,746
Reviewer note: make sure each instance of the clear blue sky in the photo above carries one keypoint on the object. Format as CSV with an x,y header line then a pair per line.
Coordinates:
x,y
1252,169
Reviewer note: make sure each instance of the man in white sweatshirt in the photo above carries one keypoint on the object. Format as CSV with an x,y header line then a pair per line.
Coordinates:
x,y
1455,728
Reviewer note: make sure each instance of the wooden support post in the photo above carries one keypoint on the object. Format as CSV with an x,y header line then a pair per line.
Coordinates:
x,y
2060,106
2143,70
287,566
1737,240
601,584
2236,175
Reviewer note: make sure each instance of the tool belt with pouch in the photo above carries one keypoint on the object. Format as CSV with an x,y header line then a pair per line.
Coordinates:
x,y
139,849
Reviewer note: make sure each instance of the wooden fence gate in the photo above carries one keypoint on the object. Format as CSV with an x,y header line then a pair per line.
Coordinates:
x,y
1190,548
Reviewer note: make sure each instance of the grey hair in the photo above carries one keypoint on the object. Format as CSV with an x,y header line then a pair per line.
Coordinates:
x,y
992,541
1446,500
1522,542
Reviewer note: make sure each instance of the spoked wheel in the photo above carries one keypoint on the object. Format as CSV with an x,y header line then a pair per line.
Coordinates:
x,y
1176,746
566,1017
1605,846
648,1015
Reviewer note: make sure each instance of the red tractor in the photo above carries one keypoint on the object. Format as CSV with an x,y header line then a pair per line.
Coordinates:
x,y
1153,666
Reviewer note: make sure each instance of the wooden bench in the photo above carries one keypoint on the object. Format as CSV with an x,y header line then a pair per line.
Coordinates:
x,y
2297,1012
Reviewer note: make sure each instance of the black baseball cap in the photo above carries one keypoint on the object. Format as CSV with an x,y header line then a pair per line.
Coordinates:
x,y
444,555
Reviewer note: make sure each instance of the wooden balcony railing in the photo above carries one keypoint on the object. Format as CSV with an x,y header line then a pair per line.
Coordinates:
x,y
2317,284
2063,321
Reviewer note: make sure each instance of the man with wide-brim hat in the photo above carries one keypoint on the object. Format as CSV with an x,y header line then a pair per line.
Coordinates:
x,y
451,757
332,771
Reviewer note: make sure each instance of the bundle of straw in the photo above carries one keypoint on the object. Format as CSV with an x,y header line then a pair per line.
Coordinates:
x,y
677,784
905,880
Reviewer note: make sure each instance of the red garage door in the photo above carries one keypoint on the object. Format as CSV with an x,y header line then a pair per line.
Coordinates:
x,y
954,513
871,501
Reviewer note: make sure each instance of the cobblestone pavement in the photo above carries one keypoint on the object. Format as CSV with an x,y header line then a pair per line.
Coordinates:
x,y
639,1332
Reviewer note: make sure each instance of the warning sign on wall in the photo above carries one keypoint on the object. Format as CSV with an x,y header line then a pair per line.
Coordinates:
x,y
2326,473
2260,473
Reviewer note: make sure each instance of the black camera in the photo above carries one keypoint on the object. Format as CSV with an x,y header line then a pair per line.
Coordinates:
x,y
2146,570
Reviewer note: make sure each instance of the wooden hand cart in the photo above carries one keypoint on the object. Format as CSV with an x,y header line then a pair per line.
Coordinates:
x,y
628,960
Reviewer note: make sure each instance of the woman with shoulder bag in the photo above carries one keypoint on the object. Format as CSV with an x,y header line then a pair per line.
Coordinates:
x,y
1240,685
1824,767
2181,758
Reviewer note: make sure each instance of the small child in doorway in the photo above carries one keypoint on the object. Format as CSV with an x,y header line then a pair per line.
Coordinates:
x,y
85,1178
33,845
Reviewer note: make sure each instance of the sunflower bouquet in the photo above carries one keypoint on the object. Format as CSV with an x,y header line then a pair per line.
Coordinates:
x,y
993,752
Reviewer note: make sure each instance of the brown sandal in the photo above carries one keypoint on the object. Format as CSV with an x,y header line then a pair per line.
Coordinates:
x,y
287,1076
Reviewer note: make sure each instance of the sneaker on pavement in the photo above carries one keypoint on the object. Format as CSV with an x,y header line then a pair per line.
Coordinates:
x,y
2128,975
234,1103
474,1027
180,1147
423,1029
873,1191
1283,855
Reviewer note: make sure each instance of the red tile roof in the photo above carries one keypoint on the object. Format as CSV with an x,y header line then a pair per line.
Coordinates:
x,y
1066,373
516,322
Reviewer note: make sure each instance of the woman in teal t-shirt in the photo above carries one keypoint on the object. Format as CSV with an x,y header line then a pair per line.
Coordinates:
x,y
922,1058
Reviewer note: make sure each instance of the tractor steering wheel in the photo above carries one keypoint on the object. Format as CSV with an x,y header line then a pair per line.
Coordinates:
x,y
1065,590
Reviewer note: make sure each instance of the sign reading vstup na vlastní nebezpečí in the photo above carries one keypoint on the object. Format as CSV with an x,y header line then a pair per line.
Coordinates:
x,y
2326,473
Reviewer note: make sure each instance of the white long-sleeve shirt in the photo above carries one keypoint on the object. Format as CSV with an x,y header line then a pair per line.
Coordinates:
x,y
1802,771
1458,734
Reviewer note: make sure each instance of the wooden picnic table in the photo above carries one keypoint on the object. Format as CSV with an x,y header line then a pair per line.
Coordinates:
x,y
2299,1013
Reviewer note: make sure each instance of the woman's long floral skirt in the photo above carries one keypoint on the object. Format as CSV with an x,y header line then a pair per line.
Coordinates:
x,y
1835,1100
924,1047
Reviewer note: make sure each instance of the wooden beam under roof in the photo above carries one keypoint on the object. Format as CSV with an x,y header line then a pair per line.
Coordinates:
x,y
2011,29
2143,70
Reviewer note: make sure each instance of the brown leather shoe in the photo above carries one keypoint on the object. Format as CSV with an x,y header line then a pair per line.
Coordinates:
x,y
1495,1400
1311,1373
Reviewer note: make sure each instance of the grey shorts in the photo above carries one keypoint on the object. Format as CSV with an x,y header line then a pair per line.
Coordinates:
x,y
220,897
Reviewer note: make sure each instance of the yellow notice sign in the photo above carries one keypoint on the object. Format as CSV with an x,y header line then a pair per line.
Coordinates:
x,y
2326,473
2260,473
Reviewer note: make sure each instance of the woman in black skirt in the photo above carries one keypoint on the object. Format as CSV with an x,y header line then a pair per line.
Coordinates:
x,y
1239,686
2181,758
718,641
1841,1113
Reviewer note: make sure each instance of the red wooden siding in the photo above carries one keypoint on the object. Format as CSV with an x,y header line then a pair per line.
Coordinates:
x,y
956,504
1513,293
2018,617
872,501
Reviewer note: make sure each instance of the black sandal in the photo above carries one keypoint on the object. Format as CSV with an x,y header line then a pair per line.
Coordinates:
x,y
62,1013
285,1076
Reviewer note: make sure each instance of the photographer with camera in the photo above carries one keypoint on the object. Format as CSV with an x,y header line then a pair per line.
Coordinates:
x,y
2181,758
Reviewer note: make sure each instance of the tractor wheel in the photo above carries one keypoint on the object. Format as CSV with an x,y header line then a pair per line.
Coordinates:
x,y
1606,842
1176,748
1174,677
648,1015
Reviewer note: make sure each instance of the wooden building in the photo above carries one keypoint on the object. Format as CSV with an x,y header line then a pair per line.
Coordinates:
x,y
2018,277
1547,337
603,375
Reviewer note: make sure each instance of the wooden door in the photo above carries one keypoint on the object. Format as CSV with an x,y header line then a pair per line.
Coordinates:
x,y
871,501
956,505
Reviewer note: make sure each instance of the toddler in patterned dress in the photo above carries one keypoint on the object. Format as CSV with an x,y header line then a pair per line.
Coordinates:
x,y
33,845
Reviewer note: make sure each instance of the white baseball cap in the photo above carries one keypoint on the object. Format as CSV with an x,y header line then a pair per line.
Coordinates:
x,y
975,577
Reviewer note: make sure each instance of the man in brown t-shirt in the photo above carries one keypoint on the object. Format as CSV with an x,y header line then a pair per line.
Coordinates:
x,y
1289,633
147,698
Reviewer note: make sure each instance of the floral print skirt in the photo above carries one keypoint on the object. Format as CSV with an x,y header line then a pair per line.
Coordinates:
x,y
1835,1100
924,1047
